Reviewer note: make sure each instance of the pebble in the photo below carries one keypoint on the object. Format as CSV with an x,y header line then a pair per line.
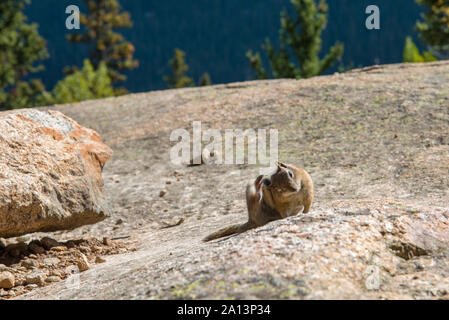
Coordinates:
x,y
36,248
73,243
106,241
53,279
51,261
56,273
35,278
84,249
7,280
162,193
3,243
23,239
49,243
82,263
30,263
17,249
59,249
99,259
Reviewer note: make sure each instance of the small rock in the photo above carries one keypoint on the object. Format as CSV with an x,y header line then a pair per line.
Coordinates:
x,y
56,273
53,279
162,193
35,247
17,249
119,221
20,283
7,280
168,182
29,263
59,249
51,261
71,244
106,241
84,249
15,253
10,293
82,263
23,239
49,243
31,286
3,243
99,259
35,278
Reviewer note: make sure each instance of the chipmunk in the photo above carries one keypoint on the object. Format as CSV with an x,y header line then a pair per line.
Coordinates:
x,y
283,194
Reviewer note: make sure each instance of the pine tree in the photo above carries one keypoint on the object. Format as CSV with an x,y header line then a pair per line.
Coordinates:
x,y
300,44
27,95
85,84
434,28
21,49
412,54
179,78
105,44
204,80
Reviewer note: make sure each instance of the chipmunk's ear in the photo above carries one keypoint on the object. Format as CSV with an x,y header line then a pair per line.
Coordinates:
x,y
278,164
281,165
258,182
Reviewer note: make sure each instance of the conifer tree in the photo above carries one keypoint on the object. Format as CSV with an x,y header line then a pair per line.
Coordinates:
x,y
21,50
412,54
179,67
434,27
179,78
204,80
300,44
85,84
106,45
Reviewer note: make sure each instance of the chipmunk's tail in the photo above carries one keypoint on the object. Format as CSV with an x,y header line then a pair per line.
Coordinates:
x,y
237,228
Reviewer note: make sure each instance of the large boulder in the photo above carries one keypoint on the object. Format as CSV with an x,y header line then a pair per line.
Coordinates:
x,y
50,173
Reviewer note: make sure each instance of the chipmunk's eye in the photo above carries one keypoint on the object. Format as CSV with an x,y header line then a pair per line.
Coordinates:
x,y
290,174
266,182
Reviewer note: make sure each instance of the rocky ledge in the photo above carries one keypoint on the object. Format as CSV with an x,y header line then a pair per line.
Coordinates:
x,y
376,143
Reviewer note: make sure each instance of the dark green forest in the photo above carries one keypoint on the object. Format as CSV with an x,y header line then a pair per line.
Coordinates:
x,y
216,34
